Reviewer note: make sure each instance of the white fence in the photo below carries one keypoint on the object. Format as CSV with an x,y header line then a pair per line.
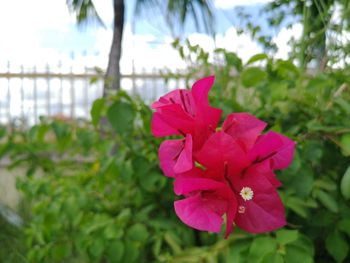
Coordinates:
x,y
29,93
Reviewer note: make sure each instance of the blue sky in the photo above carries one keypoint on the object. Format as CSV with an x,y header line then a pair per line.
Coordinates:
x,y
39,31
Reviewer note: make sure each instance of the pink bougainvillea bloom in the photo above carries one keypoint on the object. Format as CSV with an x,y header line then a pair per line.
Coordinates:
x,y
186,111
220,173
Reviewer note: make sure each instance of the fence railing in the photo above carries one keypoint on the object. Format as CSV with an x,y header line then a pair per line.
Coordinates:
x,y
29,93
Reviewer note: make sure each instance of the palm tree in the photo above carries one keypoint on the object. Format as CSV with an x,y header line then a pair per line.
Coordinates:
x,y
176,12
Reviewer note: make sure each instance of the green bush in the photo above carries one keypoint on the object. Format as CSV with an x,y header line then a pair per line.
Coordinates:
x,y
96,193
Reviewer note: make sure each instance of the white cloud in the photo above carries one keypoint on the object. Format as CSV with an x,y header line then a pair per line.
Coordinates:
x,y
229,4
283,38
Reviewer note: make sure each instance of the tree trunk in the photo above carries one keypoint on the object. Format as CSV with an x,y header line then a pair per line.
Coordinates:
x,y
113,76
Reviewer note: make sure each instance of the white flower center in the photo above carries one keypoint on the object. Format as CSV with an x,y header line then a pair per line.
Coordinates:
x,y
247,193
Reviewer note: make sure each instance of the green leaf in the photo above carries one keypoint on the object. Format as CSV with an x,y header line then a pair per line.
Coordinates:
x,y
250,77
344,225
327,200
96,248
345,184
121,116
115,251
273,257
337,246
96,111
260,247
284,236
301,250
138,232
257,57
153,182
297,205
131,252
345,144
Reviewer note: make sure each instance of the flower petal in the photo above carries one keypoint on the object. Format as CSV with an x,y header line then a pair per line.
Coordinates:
x,y
219,149
183,186
274,146
160,127
264,211
175,156
201,213
244,127
200,90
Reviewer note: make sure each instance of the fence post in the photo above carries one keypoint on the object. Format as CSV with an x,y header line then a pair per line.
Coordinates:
x,y
48,91
8,94
22,95
86,92
35,95
72,94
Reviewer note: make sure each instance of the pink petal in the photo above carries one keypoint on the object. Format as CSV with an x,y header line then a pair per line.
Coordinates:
x,y
219,149
176,118
265,169
283,158
184,162
183,186
244,127
160,127
266,145
175,156
274,146
264,212
200,213
200,90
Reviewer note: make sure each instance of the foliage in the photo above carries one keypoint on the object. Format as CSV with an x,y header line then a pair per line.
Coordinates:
x,y
96,193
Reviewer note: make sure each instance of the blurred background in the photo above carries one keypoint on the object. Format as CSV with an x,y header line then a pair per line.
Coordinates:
x,y
79,174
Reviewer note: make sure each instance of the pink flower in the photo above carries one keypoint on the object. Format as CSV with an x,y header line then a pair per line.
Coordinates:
x,y
184,112
236,175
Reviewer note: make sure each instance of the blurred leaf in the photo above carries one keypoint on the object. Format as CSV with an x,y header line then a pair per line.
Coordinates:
x,y
250,77
300,250
261,246
337,246
345,144
327,200
345,184
138,232
96,111
344,225
285,237
115,251
256,58
121,116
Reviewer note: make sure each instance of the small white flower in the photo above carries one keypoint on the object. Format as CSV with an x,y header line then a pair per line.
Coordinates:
x,y
247,193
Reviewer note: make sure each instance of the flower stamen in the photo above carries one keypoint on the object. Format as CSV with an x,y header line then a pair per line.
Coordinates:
x,y
247,193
